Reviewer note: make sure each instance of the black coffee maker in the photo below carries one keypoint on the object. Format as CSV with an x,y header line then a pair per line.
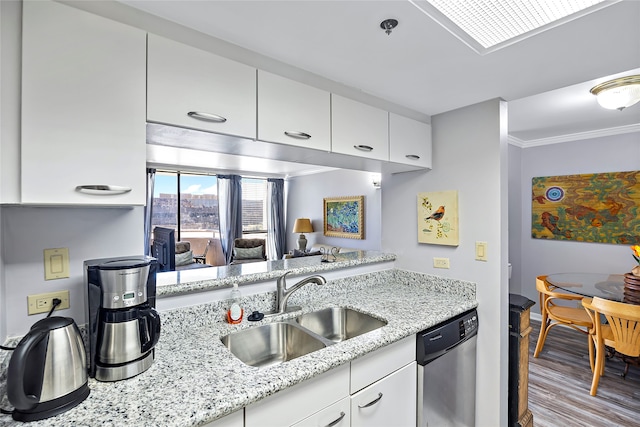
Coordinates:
x,y
123,325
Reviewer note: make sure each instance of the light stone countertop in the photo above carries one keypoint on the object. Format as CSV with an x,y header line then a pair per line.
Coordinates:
x,y
203,279
195,379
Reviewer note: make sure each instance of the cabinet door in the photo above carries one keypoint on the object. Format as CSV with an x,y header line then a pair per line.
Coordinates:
x,y
336,415
358,129
232,420
409,141
388,402
373,366
293,113
83,107
192,88
296,403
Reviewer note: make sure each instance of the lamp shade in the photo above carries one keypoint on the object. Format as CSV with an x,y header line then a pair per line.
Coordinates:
x,y
302,225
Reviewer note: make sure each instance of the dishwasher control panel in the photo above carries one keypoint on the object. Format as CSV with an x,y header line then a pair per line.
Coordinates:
x,y
436,341
468,326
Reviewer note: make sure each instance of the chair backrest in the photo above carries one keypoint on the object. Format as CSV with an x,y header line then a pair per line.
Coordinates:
x,y
547,290
624,320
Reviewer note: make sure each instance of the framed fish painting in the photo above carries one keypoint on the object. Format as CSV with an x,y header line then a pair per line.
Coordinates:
x,y
597,207
438,218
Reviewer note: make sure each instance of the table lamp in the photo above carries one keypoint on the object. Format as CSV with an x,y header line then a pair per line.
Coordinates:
x,y
302,225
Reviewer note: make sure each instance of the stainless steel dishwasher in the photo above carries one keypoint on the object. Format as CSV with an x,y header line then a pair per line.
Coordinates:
x,y
446,355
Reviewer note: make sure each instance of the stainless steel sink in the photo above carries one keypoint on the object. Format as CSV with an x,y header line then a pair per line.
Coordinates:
x,y
271,344
339,323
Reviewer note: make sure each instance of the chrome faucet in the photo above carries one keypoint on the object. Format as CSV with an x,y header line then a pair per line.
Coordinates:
x,y
283,294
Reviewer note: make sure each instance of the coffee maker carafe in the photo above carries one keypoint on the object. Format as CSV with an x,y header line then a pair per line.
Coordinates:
x,y
124,327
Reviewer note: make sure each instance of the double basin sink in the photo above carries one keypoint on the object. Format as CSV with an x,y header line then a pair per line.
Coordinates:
x,y
278,342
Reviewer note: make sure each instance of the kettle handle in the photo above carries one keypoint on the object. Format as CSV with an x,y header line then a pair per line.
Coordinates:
x,y
16,371
149,329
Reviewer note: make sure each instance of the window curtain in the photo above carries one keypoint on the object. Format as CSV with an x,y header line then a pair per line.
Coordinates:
x,y
148,210
229,212
275,218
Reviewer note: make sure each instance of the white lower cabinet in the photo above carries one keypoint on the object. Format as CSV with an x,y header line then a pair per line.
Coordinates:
x,y
235,419
336,415
390,401
378,389
299,402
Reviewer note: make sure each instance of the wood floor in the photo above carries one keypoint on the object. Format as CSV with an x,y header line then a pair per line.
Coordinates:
x,y
560,380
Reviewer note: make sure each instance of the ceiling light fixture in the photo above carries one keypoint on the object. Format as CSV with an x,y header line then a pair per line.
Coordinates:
x,y
618,94
388,24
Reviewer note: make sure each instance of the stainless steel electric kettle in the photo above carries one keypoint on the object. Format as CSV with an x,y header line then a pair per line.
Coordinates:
x,y
47,372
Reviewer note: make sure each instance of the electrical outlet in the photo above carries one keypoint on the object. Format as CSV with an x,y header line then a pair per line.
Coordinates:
x,y
441,262
41,303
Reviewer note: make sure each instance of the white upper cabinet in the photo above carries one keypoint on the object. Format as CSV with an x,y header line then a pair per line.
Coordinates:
x,y
83,108
293,113
409,141
195,89
359,129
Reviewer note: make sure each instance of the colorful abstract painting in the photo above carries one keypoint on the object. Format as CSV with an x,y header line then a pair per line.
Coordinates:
x,y
599,207
344,217
438,218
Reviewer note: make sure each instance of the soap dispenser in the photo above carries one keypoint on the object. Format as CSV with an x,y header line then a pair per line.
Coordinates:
x,y
235,311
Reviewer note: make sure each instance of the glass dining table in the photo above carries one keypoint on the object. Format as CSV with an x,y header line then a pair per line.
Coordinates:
x,y
607,286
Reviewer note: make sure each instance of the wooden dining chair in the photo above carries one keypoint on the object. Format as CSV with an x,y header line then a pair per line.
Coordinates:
x,y
555,311
621,332
202,258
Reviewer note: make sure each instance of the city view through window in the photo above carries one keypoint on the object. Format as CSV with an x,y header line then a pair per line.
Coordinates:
x,y
198,196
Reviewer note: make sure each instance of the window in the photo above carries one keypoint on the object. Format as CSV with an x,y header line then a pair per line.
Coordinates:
x,y
198,200
254,205
197,218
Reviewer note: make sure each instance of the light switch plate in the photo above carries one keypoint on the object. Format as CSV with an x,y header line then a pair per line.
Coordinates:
x,y
56,263
481,251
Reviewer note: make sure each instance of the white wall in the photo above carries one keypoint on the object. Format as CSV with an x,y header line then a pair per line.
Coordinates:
x,y
89,233
515,215
537,256
469,155
305,200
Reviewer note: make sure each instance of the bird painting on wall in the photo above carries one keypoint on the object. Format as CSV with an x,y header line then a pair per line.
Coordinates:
x,y
438,226
437,215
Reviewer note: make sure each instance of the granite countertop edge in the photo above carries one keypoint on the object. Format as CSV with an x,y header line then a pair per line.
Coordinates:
x,y
206,279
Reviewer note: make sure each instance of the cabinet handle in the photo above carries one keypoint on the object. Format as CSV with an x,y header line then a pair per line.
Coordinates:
x,y
336,421
373,402
412,157
207,117
102,190
297,135
363,147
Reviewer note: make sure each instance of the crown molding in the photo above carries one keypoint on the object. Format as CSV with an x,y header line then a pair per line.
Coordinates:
x,y
578,136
